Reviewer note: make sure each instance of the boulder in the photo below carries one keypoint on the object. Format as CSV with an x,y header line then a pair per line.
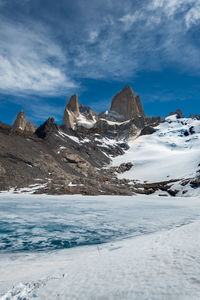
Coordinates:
x,y
147,130
124,167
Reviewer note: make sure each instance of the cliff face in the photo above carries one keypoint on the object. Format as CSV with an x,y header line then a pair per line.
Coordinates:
x,y
71,112
73,105
126,104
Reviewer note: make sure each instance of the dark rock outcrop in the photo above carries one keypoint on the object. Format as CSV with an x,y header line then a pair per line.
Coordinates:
x,y
195,183
84,109
178,113
147,130
124,167
48,127
196,116
87,112
127,105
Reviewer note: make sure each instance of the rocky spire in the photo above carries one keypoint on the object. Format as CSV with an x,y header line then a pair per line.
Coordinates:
x,y
73,104
71,112
23,125
20,121
126,104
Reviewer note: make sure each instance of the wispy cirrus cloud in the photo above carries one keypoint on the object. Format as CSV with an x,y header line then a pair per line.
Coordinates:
x,y
30,61
48,48
137,37
114,40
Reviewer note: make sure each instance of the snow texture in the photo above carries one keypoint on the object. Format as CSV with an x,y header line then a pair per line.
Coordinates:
x,y
166,154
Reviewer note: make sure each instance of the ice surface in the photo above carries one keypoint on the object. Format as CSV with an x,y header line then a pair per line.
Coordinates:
x,y
152,250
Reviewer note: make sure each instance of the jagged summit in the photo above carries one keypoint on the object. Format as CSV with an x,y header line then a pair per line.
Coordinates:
x,y
75,116
74,158
126,104
20,121
48,127
22,124
71,112
73,105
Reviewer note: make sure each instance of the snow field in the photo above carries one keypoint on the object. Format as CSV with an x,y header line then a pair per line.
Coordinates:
x,y
164,155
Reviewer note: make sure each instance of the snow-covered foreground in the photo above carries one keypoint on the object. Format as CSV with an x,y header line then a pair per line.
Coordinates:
x,y
155,256
166,154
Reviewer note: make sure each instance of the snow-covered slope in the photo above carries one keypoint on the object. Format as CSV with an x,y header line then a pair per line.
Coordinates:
x,y
85,122
172,152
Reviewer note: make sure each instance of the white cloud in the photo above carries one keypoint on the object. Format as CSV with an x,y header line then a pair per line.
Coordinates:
x,y
169,7
148,37
113,44
129,19
189,8
193,15
93,35
30,61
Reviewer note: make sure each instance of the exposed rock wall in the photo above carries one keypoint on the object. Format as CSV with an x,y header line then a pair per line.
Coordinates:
x,y
126,104
73,105
69,119
71,112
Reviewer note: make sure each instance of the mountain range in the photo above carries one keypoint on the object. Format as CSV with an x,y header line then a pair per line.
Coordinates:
x,y
117,152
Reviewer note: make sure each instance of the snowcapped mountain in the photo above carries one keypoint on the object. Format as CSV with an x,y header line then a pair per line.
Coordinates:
x,y
120,151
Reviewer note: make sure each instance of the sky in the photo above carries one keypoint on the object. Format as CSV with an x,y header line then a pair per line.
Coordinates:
x,y
50,50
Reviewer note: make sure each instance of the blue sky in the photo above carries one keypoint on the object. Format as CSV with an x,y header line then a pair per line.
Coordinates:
x,y
51,49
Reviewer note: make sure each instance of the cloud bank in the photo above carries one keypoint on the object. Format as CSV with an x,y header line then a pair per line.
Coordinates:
x,y
50,46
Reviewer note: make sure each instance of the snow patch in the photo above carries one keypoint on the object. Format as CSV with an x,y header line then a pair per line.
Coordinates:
x,y
83,121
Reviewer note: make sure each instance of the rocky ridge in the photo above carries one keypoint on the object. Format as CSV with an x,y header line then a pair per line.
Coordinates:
x,y
74,157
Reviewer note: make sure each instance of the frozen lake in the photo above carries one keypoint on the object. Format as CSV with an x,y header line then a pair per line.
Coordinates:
x,y
45,241
40,223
